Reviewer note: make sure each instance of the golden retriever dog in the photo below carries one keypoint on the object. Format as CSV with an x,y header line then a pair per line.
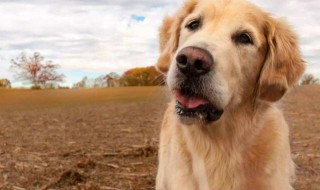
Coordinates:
x,y
227,63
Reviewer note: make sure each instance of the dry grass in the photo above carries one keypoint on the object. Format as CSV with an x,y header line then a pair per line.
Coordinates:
x,y
30,99
107,138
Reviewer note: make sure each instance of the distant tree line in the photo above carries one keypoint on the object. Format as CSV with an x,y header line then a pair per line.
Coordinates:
x,y
41,73
108,80
146,76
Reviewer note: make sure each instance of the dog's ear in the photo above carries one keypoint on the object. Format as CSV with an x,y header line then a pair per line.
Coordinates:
x,y
169,35
283,66
168,40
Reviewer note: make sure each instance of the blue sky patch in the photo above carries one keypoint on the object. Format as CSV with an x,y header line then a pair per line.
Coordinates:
x,y
138,18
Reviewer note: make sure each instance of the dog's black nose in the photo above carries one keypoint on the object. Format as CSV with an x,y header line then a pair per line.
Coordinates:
x,y
194,61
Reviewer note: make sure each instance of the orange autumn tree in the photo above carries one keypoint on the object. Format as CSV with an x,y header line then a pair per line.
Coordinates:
x,y
146,76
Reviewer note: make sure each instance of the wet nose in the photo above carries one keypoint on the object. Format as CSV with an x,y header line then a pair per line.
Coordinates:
x,y
194,61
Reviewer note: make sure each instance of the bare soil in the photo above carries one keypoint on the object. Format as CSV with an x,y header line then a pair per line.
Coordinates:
x,y
107,138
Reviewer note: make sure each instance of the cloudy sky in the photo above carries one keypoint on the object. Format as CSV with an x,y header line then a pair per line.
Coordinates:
x,y
93,37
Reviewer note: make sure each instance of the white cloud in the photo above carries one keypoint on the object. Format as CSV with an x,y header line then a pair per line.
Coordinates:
x,y
101,35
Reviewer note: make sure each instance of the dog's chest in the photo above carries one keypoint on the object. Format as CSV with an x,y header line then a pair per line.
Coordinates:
x,y
198,167
212,169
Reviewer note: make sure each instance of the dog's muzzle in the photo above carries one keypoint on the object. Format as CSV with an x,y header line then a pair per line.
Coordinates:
x,y
194,61
193,66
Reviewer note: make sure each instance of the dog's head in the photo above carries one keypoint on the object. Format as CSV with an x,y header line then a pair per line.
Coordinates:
x,y
218,54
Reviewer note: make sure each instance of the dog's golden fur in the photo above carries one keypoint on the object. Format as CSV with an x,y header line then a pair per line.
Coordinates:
x,y
248,148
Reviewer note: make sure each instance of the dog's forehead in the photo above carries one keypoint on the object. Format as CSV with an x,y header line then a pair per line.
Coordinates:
x,y
229,16
237,10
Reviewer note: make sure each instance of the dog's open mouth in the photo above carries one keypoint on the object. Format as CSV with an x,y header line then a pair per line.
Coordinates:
x,y
193,106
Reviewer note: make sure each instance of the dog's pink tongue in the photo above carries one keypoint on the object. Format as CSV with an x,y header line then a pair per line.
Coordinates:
x,y
190,102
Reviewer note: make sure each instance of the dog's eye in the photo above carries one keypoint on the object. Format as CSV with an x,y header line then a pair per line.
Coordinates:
x,y
194,25
244,38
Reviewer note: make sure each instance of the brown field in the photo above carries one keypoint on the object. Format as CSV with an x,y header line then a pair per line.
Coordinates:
x,y
107,138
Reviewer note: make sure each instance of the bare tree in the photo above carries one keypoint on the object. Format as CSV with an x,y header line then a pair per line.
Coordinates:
x,y
99,82
36,70
309,79
82,83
